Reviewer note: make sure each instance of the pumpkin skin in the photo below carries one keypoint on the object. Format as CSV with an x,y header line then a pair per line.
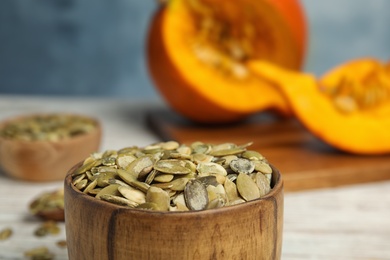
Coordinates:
x,y
365,131
206,94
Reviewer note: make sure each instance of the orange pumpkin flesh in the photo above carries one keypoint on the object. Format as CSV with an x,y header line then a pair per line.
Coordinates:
x,y
363,131
294,17
198,63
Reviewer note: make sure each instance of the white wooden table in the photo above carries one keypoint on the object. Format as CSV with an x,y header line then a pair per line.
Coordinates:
x,y
351,222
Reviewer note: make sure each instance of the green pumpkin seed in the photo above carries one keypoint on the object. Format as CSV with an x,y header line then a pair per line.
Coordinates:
x,y
124,160
228,159
205,169
201,158
109,161
127,176
223,147
94,191
104,178
172,166
106,169
79,178
139,164
170,145
87,166
262,183
108,154
262,167
82,184
163,178
184,150
226,152
247,188
118,200
216,203
119,182
253,155
128,150
132,194
92,185
159,197
150,177
199,147
179,156
111,189
231,190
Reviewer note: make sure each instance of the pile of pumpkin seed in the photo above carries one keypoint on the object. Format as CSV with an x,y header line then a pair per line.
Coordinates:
x,y
50,127
169,176
48,202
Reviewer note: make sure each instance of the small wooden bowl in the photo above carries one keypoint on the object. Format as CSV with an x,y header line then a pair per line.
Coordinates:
x,y
97,229
45,160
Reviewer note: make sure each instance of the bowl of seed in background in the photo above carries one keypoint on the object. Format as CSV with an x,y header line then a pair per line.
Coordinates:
x,y
42,147
174,201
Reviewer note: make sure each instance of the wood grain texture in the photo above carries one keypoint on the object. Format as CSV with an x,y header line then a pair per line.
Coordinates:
x,y
305,162
99,230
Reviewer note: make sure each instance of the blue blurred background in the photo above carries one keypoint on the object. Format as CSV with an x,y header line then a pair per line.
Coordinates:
x,y
96,47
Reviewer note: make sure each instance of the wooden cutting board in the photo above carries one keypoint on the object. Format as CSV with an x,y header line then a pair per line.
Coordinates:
x,y
304,161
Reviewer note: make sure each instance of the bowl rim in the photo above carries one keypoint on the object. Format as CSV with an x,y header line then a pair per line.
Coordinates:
x,y
97,129
68,186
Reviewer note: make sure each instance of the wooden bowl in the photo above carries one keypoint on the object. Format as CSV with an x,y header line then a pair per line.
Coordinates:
x,y
45,160
96,229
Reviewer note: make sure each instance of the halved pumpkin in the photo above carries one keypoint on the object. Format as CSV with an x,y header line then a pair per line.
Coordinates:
x,y
198,50
348,108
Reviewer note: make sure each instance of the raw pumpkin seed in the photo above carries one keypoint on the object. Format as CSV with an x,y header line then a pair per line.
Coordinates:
x,y
50,127
253,155
205,169
159,197
138,165
242,165
262,183
173,166
48,204
111,189
231,190
5,234
39,253
173,177
47,228
61,243
263,167
195,194
132,194
118,200
247,187
163,177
